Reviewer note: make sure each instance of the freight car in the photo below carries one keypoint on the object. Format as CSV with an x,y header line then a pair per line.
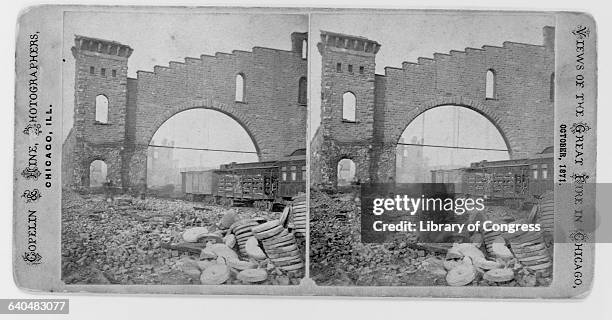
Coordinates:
x,y
522,180
260,184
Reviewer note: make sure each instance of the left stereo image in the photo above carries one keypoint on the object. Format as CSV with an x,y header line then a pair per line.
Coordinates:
x,y
184,148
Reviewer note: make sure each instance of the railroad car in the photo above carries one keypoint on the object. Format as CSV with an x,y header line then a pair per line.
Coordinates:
x,y
525,180
260,184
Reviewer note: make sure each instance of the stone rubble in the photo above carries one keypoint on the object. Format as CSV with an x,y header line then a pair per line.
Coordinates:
x,y
166,241
491,259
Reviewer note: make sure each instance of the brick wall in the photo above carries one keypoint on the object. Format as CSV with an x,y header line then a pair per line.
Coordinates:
x,y
270,112
521,110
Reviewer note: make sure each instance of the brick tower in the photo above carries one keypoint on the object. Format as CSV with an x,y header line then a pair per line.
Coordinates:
x,y
347,74
99,107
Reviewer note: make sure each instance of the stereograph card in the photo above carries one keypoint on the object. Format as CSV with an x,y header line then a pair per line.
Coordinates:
x,y
277,151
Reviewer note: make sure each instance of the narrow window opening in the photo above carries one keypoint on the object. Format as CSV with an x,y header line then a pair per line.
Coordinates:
x,y
339,67
490,84
348,106
103,72
302,91
293,173
304,49
114,72
534,171
544,170
101,109
350,68
240,87
92,70
361,69
552,87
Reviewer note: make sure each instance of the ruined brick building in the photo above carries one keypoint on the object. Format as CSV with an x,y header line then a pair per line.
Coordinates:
x,y
520,103
115,117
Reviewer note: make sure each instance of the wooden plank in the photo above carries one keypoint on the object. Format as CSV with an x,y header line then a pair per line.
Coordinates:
x,y
184,247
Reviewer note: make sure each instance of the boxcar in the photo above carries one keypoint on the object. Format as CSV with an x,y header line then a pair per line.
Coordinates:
x,y
199,185
261,184
253,183
518,179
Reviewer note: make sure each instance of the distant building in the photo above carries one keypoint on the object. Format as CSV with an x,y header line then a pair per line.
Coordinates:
x,y
411,164
162,168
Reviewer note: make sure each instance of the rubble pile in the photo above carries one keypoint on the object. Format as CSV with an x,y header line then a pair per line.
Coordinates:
x,y
164,241
466,264
247,252
489,259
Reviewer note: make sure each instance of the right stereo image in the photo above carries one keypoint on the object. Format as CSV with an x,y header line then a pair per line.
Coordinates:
x,y
415,111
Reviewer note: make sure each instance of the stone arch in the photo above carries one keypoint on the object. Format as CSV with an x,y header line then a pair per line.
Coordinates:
x,y
98,181
385,163
137,164
244,121
112,160
352,177
489,113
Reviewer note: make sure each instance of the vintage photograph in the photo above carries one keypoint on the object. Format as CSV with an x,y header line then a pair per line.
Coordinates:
x,y
184,148
462,98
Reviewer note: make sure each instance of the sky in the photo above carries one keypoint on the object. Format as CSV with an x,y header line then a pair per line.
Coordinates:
x,y
204,129
406,37
157,39
455,127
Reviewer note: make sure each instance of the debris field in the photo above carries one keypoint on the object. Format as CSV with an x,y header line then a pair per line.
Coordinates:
x,y
168,241
337,256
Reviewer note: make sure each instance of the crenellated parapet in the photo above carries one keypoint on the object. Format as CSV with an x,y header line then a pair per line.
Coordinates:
x,y
101,46
348,43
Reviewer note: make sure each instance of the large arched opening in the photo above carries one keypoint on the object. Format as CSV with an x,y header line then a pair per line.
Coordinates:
x,y
195,140
445,138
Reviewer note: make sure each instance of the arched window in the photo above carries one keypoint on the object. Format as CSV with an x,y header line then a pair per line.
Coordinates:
x,y
348,106
97,173
302,91
101,109
304,49
552,87
240,87
346,172
490,85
